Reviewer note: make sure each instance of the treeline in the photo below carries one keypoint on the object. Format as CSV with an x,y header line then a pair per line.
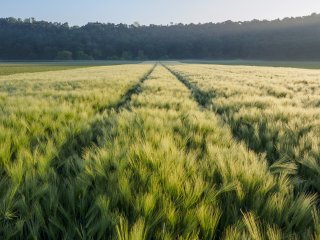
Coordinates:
x,y
286,39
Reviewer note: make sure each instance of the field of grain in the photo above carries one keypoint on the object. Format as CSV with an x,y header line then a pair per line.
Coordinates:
x,y
164,151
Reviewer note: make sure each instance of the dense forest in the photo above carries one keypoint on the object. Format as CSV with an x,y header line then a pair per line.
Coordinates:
x,y
286,39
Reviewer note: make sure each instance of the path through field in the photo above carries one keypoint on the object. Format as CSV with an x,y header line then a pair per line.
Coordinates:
x,y
155,162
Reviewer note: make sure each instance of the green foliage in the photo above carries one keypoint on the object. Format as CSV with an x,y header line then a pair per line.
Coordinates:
x,y
81,55
64,55
47,122
274,111
124,152
290,39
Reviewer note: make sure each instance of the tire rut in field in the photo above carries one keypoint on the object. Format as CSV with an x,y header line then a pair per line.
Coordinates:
x,y
203,98
68,161
136,89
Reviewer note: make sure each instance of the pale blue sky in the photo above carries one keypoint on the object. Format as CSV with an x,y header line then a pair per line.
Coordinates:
x,y
79,12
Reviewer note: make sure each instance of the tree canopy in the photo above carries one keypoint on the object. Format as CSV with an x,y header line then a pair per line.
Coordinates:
x,y
286,39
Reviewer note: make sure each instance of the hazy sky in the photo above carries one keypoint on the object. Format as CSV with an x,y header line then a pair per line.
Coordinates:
x,y
79,12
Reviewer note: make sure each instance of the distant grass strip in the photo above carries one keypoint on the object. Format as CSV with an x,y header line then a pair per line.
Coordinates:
x,y
29,68
288,64
9,68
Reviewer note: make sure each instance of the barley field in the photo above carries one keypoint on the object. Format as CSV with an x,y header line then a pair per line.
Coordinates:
x,y
160,151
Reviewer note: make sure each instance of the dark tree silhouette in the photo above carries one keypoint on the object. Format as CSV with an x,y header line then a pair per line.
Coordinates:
x,y
286,39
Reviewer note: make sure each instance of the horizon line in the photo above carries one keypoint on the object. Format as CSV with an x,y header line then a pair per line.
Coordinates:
x,y
168,24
